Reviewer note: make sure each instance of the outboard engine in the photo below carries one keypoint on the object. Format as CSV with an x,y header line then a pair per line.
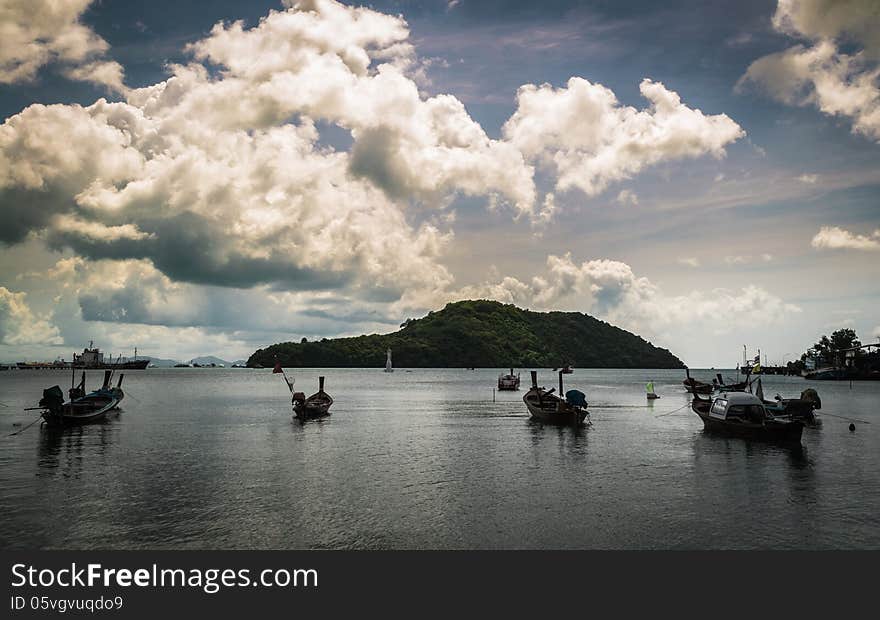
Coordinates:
x,y
812,396
53,400
576,398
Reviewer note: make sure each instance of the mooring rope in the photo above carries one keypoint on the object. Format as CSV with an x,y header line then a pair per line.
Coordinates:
x,y
26,427
823,414
673,411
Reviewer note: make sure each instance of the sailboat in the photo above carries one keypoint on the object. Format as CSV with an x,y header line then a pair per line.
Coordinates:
x,y
388,367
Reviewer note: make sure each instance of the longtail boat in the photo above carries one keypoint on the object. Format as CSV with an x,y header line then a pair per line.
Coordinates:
x,y
545,406
740,414
82,408
315,406
509,381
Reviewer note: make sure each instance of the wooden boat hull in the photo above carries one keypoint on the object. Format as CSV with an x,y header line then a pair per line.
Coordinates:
x,y
566,418
307,412
796,409
315,406
554,411
783,431
86,410
697,387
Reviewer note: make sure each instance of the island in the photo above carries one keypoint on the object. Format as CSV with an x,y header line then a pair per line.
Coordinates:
x,y
479,334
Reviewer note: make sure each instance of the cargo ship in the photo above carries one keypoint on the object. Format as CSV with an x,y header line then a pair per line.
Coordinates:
x,y
92,358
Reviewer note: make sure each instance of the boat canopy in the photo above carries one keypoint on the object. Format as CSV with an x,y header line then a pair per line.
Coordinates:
x,y
740,398
728,405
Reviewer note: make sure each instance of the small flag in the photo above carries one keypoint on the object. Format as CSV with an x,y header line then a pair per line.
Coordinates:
x,y
277,368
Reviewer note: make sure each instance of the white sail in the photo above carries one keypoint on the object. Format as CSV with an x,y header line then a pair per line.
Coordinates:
x,y
388,367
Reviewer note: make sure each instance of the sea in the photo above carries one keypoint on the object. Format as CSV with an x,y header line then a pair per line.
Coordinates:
x,y
429,459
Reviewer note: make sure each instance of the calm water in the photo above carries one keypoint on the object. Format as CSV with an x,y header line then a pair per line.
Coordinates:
x,y
424,459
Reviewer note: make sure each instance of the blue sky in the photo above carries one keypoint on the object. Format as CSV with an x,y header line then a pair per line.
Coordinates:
x,y
745,215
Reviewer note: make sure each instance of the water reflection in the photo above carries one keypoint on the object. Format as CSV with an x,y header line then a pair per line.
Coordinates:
x,y
570,439
299,423
429,460
64,451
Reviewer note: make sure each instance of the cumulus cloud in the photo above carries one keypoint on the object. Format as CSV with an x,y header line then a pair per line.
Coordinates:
x,y
350,66
836,238
820,73
830,19
194,199
207,177
689,261
590,140
34,33
123,304
217,175
611,290
18,323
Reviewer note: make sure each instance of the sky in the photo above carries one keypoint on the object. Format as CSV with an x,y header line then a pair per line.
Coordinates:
x,y
210,178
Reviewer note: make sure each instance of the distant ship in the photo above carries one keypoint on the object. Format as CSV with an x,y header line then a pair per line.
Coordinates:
x,y
93,358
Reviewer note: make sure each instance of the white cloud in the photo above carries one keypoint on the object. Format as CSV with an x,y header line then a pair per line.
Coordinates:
x,y
590,140
689,261
352,67
34,33
548,210
808,178
217,175
612,291
19,325
196,195
820,74
128,303
831,19
627,197
836,238
746,259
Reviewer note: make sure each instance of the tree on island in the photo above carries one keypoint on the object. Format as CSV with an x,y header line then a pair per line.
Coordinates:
x,y
480,333
826,349
829,351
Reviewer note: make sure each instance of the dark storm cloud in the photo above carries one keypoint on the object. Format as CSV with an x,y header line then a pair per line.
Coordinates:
x,y
25,211
190,248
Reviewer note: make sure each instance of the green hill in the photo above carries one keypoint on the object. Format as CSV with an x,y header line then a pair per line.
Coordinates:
x,y
484,334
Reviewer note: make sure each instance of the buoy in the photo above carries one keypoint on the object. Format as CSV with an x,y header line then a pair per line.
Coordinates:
x,y
852,427
16,424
